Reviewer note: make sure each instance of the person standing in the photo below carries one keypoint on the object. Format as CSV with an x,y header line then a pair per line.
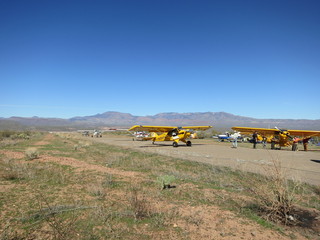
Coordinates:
x,y
264,142
295,144
305,143
235,140
254,139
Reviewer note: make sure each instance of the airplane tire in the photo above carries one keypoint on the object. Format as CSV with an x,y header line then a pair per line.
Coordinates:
x,y
175,144
189,143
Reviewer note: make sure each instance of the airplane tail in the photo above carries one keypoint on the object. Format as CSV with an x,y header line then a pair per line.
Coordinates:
x,y
194,136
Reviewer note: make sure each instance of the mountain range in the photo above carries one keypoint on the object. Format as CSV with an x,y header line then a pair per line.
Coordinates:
x,y
219,120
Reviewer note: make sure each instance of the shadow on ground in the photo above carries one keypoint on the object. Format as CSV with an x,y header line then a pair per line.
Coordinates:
x,y
317,161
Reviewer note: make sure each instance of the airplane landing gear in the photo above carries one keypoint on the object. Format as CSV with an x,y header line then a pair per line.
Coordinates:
x,y
189,143
175,144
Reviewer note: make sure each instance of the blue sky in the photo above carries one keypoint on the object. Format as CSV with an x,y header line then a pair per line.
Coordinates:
x,y
77,58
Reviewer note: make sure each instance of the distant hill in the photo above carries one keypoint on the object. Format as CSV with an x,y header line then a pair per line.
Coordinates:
x,y
219,120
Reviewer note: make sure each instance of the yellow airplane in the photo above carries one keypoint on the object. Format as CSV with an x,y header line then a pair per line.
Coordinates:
x,y
280,137
168,133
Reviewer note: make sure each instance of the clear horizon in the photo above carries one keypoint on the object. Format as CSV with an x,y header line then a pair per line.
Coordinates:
x,y
63,59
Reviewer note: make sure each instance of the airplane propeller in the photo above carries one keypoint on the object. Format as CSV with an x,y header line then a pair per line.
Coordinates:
x,y
284,132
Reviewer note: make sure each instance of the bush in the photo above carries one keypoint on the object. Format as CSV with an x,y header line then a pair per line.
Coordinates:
x,y
139,205
14,135
165,181
276,195
32,153
6,134
13,171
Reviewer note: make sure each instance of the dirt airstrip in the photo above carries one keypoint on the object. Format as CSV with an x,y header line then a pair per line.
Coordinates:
x,y
300,165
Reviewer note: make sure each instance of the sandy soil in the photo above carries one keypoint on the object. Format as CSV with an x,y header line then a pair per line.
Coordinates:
x,y
300,165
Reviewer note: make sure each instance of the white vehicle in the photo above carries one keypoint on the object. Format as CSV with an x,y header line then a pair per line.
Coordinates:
x,y
96,133
139,136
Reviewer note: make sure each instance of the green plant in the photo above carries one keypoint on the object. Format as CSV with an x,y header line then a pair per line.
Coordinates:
x,y
165,181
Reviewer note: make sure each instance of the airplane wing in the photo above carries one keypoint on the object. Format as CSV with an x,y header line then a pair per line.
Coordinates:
x,y
197,127
268,131
151,128
165,128
261,131
304,133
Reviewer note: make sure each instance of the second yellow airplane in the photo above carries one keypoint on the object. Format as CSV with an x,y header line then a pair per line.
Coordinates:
x,y
280,137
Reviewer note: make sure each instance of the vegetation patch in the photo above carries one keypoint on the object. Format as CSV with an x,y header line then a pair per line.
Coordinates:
x,y
166,198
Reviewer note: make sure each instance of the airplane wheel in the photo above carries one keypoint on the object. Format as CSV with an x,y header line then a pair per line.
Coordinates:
x,y
175,144
189,143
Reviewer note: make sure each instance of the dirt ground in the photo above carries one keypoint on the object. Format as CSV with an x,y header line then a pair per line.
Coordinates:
x,y
210,222
300,165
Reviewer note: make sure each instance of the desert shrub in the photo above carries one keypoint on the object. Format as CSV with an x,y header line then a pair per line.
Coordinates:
x,y
31,153
12,171
22,135
139,205
6,134
15,135
165,181
276,195
97,190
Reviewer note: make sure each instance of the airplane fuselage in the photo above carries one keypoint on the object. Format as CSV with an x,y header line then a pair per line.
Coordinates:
x,y
177,136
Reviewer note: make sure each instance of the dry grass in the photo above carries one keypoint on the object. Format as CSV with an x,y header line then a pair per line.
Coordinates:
x,y
54,200
12,170
275,196
139,204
